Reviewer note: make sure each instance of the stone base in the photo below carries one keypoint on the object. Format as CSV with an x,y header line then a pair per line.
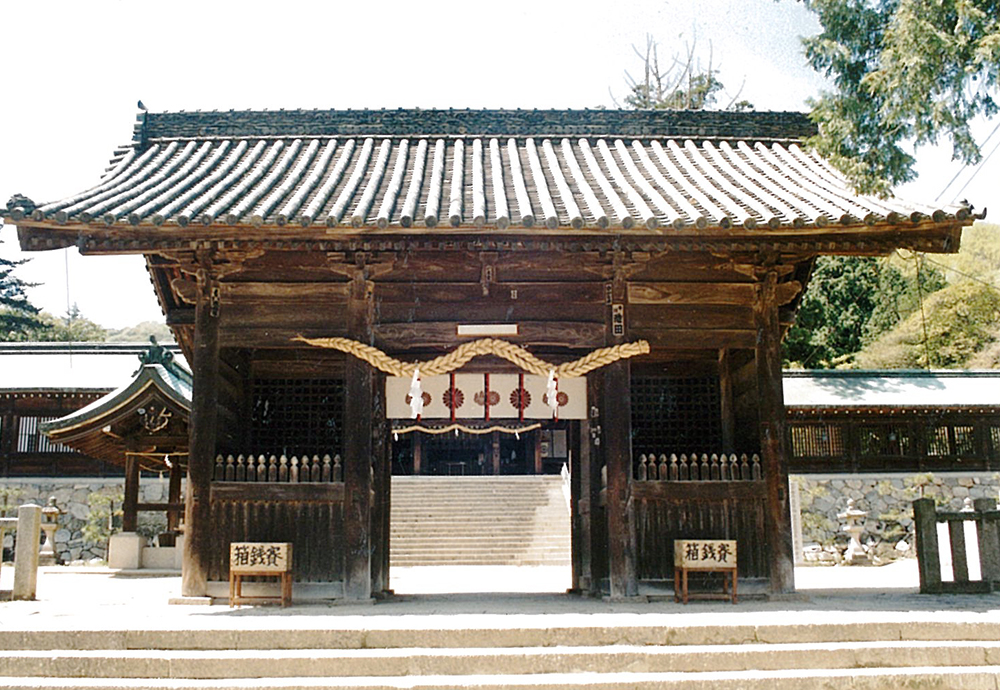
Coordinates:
x,y
125,551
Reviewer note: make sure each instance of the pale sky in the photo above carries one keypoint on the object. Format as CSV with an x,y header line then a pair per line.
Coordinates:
x,y
73,71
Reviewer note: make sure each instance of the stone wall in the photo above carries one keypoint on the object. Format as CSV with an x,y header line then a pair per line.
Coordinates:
x,y
887,500
73,496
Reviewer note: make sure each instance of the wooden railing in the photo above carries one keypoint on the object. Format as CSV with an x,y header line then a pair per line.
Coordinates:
x,y
983,516
281,469
651,467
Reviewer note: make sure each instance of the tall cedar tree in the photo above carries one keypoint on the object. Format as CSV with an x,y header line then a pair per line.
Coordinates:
x,y
902,70
18,317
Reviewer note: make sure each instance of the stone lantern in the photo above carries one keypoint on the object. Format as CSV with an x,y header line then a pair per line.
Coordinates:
x,y
854,525
50,523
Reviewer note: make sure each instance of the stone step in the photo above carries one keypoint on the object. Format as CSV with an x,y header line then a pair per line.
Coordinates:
x,y
512,662
496,631
945,678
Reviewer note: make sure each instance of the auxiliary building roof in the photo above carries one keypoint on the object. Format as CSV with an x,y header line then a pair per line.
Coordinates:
x,y
499,169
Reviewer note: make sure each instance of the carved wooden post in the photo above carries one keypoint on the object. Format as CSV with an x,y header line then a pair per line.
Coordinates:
x,y
130,512
204,406
771,408
358,450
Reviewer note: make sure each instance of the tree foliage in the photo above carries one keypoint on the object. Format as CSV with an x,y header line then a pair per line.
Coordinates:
x,y
683,84
903,70
74,327
954,325
18,317
850,301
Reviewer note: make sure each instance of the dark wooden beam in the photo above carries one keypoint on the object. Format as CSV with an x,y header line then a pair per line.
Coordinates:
x,y
771,407
198,541
444,335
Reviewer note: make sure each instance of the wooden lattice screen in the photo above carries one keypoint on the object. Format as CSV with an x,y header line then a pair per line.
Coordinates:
x,y
297,416
672,414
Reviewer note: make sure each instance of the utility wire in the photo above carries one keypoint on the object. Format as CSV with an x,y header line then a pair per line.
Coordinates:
x,y
963,168
976,171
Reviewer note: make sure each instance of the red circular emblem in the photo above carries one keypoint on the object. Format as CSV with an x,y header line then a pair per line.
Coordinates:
x,y
561,398
520,399
453,398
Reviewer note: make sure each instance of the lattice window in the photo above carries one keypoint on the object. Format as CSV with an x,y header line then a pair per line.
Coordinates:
x,y
885,439
951,440
31,440
675,414
297,416
964,440
817,441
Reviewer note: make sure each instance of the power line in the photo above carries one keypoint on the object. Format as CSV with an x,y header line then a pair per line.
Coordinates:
x,y
963,168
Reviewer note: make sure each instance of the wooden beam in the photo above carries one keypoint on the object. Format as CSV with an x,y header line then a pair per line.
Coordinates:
x,y
691,293
198,541
443,335
771,406
695,339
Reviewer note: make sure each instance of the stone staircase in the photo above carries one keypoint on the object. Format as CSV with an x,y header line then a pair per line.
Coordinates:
x,y
539,655
506,520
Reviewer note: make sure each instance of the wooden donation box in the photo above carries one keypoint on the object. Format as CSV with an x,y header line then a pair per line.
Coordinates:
x,y
705,556
260,559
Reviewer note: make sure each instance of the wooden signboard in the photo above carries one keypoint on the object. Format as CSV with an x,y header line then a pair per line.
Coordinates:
x,y
260,559
704,555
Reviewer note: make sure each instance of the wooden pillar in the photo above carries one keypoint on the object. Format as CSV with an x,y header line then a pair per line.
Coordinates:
x,y
538,452
726,409
495,436
617,433
580,500
130,506
598,511
418,451
771,409
358,451
382,488
174,496
204,406
8,432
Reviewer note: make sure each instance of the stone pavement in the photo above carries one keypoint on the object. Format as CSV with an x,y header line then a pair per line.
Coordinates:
x,y
101,599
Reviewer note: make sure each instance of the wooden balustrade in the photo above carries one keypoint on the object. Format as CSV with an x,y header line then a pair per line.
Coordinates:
x,y
694,467
281,469
982,513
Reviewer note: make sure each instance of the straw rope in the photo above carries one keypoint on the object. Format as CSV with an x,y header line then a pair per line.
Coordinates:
x,y
485,346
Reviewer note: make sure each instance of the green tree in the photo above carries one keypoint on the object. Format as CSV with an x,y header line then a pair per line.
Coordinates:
x,y
954,325
18,317
849,302
903,71
73,327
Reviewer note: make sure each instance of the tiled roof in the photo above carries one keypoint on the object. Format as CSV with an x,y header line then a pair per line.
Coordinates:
x,y
892,389
469,169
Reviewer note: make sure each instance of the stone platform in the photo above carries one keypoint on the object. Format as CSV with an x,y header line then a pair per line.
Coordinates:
x,y
98,629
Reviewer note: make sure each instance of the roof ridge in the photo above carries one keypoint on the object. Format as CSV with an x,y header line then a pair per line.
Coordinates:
x,y
408,121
